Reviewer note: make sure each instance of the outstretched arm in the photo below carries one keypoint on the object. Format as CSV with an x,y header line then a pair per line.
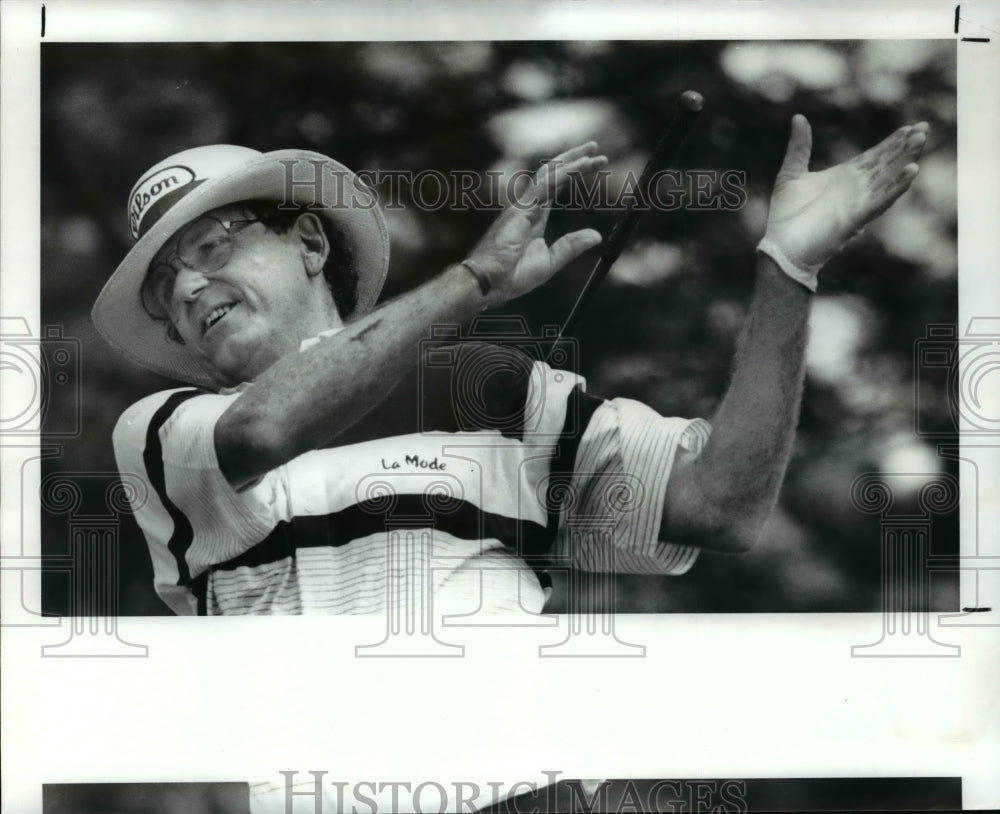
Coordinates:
x,y
305,400
721,499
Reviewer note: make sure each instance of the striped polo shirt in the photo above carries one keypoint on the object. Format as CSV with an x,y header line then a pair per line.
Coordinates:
x,y
479,464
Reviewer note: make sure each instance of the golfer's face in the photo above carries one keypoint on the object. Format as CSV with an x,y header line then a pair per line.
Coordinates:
x,y
233,290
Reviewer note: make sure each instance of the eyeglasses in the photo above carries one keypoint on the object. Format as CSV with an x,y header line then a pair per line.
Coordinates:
x,y
204,245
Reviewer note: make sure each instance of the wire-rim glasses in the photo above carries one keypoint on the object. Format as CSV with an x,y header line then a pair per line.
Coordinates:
x,y
204,245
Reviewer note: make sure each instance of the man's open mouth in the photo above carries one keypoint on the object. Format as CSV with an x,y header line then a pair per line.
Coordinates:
x,y
216,314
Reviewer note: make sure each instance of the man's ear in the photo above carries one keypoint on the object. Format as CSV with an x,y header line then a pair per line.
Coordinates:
x,y
312,242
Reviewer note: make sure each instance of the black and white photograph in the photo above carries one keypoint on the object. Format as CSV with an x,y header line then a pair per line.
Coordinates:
x,y
627,369
707,436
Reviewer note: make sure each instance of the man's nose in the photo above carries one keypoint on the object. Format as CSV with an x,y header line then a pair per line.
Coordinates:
x,y
188,283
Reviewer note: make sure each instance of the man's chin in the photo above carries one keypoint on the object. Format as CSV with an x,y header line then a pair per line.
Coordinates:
x,y
238,365
227,370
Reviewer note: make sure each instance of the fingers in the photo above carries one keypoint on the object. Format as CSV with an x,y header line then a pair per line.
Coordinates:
x,y
916,141
557,174
552,176
884,151
578,156
885,195
569,247
893,153
582,150
799,149
891,166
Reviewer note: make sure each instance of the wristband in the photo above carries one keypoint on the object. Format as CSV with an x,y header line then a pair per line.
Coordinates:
x,y
481,276
805,275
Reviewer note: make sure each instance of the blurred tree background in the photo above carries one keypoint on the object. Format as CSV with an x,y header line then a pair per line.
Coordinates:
x,y
664,325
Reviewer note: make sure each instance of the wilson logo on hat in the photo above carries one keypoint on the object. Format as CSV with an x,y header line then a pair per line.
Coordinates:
x,y
148,191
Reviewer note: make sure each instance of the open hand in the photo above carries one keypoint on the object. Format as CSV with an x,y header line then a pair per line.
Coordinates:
x,y
813,214
513,253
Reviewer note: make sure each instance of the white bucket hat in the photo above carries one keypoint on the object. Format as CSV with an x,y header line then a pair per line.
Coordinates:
x,y
193,182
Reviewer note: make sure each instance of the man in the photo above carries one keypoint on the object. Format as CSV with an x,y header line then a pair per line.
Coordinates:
x,y
263,494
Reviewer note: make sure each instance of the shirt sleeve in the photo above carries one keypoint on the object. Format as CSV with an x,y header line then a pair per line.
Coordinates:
x,y
612,508
190,516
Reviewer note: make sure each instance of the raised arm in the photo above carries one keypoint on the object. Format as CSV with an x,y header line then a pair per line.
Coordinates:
x,y
721,499
305,400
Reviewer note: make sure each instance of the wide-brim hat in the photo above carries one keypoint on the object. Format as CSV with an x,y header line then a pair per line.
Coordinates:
x,y
193,182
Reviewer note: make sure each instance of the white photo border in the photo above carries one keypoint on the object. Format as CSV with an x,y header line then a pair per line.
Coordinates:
x,y
274,694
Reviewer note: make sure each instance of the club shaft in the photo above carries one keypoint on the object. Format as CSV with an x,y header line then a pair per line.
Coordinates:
x,y
664,153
